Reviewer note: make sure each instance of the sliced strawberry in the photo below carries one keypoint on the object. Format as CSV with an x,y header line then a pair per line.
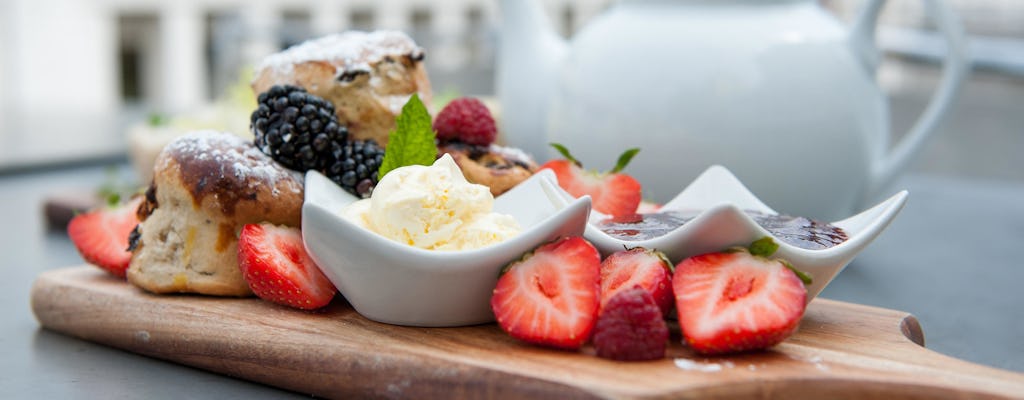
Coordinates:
x,y
550,296
611,193
734,301
631,327
648,207
648,269
101,235
278,269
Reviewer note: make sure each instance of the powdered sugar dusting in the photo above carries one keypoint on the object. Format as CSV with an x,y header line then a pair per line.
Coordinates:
x,y
233,156
348,51
691,365
815,360
512,153
396,102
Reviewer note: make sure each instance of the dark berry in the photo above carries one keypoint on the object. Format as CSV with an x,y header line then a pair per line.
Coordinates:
x,y
467,120
365,188
286,123
355,167
300,131
631,328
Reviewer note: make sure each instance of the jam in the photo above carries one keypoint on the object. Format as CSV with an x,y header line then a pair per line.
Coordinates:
x,y
797,231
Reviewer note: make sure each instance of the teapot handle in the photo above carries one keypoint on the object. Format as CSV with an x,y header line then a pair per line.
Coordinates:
x,y
954,69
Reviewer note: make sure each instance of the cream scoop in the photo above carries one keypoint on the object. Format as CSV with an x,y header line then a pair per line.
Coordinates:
x,y
432,207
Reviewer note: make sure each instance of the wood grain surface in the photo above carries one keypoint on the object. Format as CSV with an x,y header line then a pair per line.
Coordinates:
x,y
842,351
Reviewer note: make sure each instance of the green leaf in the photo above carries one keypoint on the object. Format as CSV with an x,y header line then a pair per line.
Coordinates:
x,y
113,199
412,140
565,153
156,119
804,277
624,159
764,247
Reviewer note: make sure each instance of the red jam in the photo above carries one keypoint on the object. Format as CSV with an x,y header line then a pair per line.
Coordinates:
x,y
797,231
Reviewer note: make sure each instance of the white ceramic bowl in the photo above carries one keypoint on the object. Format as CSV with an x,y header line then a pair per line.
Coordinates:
x,y
719,199
398,284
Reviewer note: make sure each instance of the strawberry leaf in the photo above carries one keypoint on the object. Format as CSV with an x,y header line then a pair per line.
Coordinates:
x,y
412,140
804,277
624,159
565,153
764,247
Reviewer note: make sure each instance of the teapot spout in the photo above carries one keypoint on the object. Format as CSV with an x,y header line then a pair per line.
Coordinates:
x,y
530,55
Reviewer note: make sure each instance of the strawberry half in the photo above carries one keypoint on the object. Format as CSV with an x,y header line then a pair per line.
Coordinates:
x,y
277,268
101,235
648,269
736,301
611,193
550,296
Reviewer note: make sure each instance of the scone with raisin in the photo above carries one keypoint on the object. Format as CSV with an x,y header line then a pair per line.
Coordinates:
x,y
206,186
498,167
368,76
466,130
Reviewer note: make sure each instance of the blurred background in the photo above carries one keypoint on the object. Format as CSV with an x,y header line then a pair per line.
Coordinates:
x,y
76,74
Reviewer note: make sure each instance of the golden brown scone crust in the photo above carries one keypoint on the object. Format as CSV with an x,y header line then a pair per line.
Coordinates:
x,y
499,168
367,76
206,186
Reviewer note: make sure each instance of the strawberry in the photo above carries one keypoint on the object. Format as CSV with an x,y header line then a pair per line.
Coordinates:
x,y
550,296
468,120
737,300
277,268
648,207
648,269
611,193
631,327
101,235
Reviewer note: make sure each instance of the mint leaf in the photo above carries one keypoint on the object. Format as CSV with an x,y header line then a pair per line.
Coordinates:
x,y
412,140
624,159
764,247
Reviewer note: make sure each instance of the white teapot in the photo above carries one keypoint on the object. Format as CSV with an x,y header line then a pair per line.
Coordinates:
x,y
778,91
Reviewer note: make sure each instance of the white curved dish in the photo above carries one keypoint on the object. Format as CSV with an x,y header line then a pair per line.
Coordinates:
x,y
720,198
398,284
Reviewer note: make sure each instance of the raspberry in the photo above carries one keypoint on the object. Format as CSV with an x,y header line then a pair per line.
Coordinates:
x,y
467,120
631,328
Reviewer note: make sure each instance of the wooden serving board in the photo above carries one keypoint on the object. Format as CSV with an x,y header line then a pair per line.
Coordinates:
x,y
841,351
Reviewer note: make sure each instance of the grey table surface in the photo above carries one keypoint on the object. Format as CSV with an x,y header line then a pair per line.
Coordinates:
x,y
952,258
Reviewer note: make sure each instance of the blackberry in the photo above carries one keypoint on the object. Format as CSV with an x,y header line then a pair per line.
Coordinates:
x,y
297,129
300,131
354,166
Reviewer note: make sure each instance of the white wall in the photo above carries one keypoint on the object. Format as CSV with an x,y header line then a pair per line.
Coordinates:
x,y
62,55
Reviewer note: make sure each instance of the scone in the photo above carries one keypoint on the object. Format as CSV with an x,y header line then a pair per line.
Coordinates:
x,y
206,186
498,167
367,76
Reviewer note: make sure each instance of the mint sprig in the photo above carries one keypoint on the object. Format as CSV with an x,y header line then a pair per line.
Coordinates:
x,y
412,140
